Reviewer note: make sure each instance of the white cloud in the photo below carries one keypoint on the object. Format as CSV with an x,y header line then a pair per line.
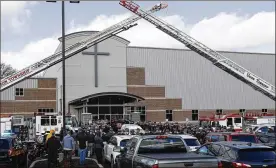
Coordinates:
x,y
15,14
221,32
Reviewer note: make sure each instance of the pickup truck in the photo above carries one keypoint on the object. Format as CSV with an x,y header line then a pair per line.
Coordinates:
x,y
161,151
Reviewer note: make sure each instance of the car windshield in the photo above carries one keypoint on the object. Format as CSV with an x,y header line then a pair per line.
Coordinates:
x,y
216,138
192,142
256,155
4,144
123,142
162,145
244,138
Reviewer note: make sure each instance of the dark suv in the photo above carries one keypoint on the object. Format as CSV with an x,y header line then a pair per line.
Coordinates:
x,y
240,154
11,154
231,136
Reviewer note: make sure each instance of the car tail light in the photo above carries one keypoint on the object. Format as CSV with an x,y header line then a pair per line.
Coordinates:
x,y
240,165
220,165
10,152
155,166
161,137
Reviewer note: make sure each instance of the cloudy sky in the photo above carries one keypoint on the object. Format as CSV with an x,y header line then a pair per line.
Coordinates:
x,y
29,30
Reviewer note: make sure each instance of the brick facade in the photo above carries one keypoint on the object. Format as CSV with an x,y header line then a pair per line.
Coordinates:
x,y
135,76
156,102
41,97
147,91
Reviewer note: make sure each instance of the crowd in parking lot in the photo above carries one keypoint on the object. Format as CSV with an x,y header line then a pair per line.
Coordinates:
x,y
102,135
100,139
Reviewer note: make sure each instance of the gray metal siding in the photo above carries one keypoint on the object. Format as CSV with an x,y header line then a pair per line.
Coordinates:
x,y
201,85
9,94
80,78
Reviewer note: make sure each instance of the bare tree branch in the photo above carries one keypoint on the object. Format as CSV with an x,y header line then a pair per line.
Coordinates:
x,y
6,70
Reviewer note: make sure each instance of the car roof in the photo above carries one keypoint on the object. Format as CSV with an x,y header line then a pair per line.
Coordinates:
x,y
230,133
153,136
186,136
241,145
122,137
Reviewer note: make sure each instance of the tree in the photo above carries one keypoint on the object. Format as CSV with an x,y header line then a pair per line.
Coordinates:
x,y
6,70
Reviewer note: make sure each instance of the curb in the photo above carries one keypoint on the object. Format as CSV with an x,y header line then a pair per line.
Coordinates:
x,y
99,165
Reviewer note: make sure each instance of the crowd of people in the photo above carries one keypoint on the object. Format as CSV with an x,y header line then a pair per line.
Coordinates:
x,y
88,140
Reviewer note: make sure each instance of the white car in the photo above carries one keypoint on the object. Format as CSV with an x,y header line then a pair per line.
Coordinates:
x,y
115,141
129,127
263,128
191,141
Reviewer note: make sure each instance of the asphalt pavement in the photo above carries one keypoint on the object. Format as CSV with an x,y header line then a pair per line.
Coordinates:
x,y
89,163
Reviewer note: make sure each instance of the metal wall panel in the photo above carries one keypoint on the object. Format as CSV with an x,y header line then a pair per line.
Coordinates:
x,y
201,85
9,94
80,76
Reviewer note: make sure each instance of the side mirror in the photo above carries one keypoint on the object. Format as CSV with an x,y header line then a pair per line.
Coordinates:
x,y
117,149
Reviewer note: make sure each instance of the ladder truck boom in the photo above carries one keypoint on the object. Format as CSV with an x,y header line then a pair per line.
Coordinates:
x,y
70,51
216,58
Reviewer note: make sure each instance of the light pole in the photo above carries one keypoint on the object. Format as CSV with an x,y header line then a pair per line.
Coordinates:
x,y
63,60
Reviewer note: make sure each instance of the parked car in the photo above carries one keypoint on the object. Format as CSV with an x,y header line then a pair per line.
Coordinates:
x,y
264,128
12,154
115,141
267,139
240,154
231,136
191,141
160,151
131,127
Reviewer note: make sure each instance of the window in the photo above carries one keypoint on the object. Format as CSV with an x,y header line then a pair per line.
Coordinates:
x,y
162,145
203,150
244,138
131,145
215,149
142,111
19,92
264,110
123,142
192,142
256,155
219,112
45,110
169,115
194,115
229,153
45,121
53,120
237,120
264,129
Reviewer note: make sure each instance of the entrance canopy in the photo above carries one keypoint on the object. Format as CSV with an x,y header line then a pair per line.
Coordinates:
x,y
108,105
128,98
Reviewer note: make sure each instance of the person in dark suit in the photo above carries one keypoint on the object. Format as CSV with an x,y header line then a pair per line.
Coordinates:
x,y
52,145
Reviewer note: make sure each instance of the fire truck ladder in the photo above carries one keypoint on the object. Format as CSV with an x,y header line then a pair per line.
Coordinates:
x,y
216,58
71,51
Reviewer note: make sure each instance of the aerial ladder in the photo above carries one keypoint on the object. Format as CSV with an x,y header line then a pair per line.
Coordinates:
x,y
72,50
216,58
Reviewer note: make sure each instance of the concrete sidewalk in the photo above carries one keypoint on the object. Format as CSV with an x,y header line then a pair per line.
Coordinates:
x,y
89,163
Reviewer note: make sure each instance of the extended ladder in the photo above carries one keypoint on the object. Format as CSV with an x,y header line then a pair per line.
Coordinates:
x,y
71,50
218,60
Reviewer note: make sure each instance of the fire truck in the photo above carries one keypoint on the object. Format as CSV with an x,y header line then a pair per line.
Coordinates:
x,y
227,120
234,119
52,121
